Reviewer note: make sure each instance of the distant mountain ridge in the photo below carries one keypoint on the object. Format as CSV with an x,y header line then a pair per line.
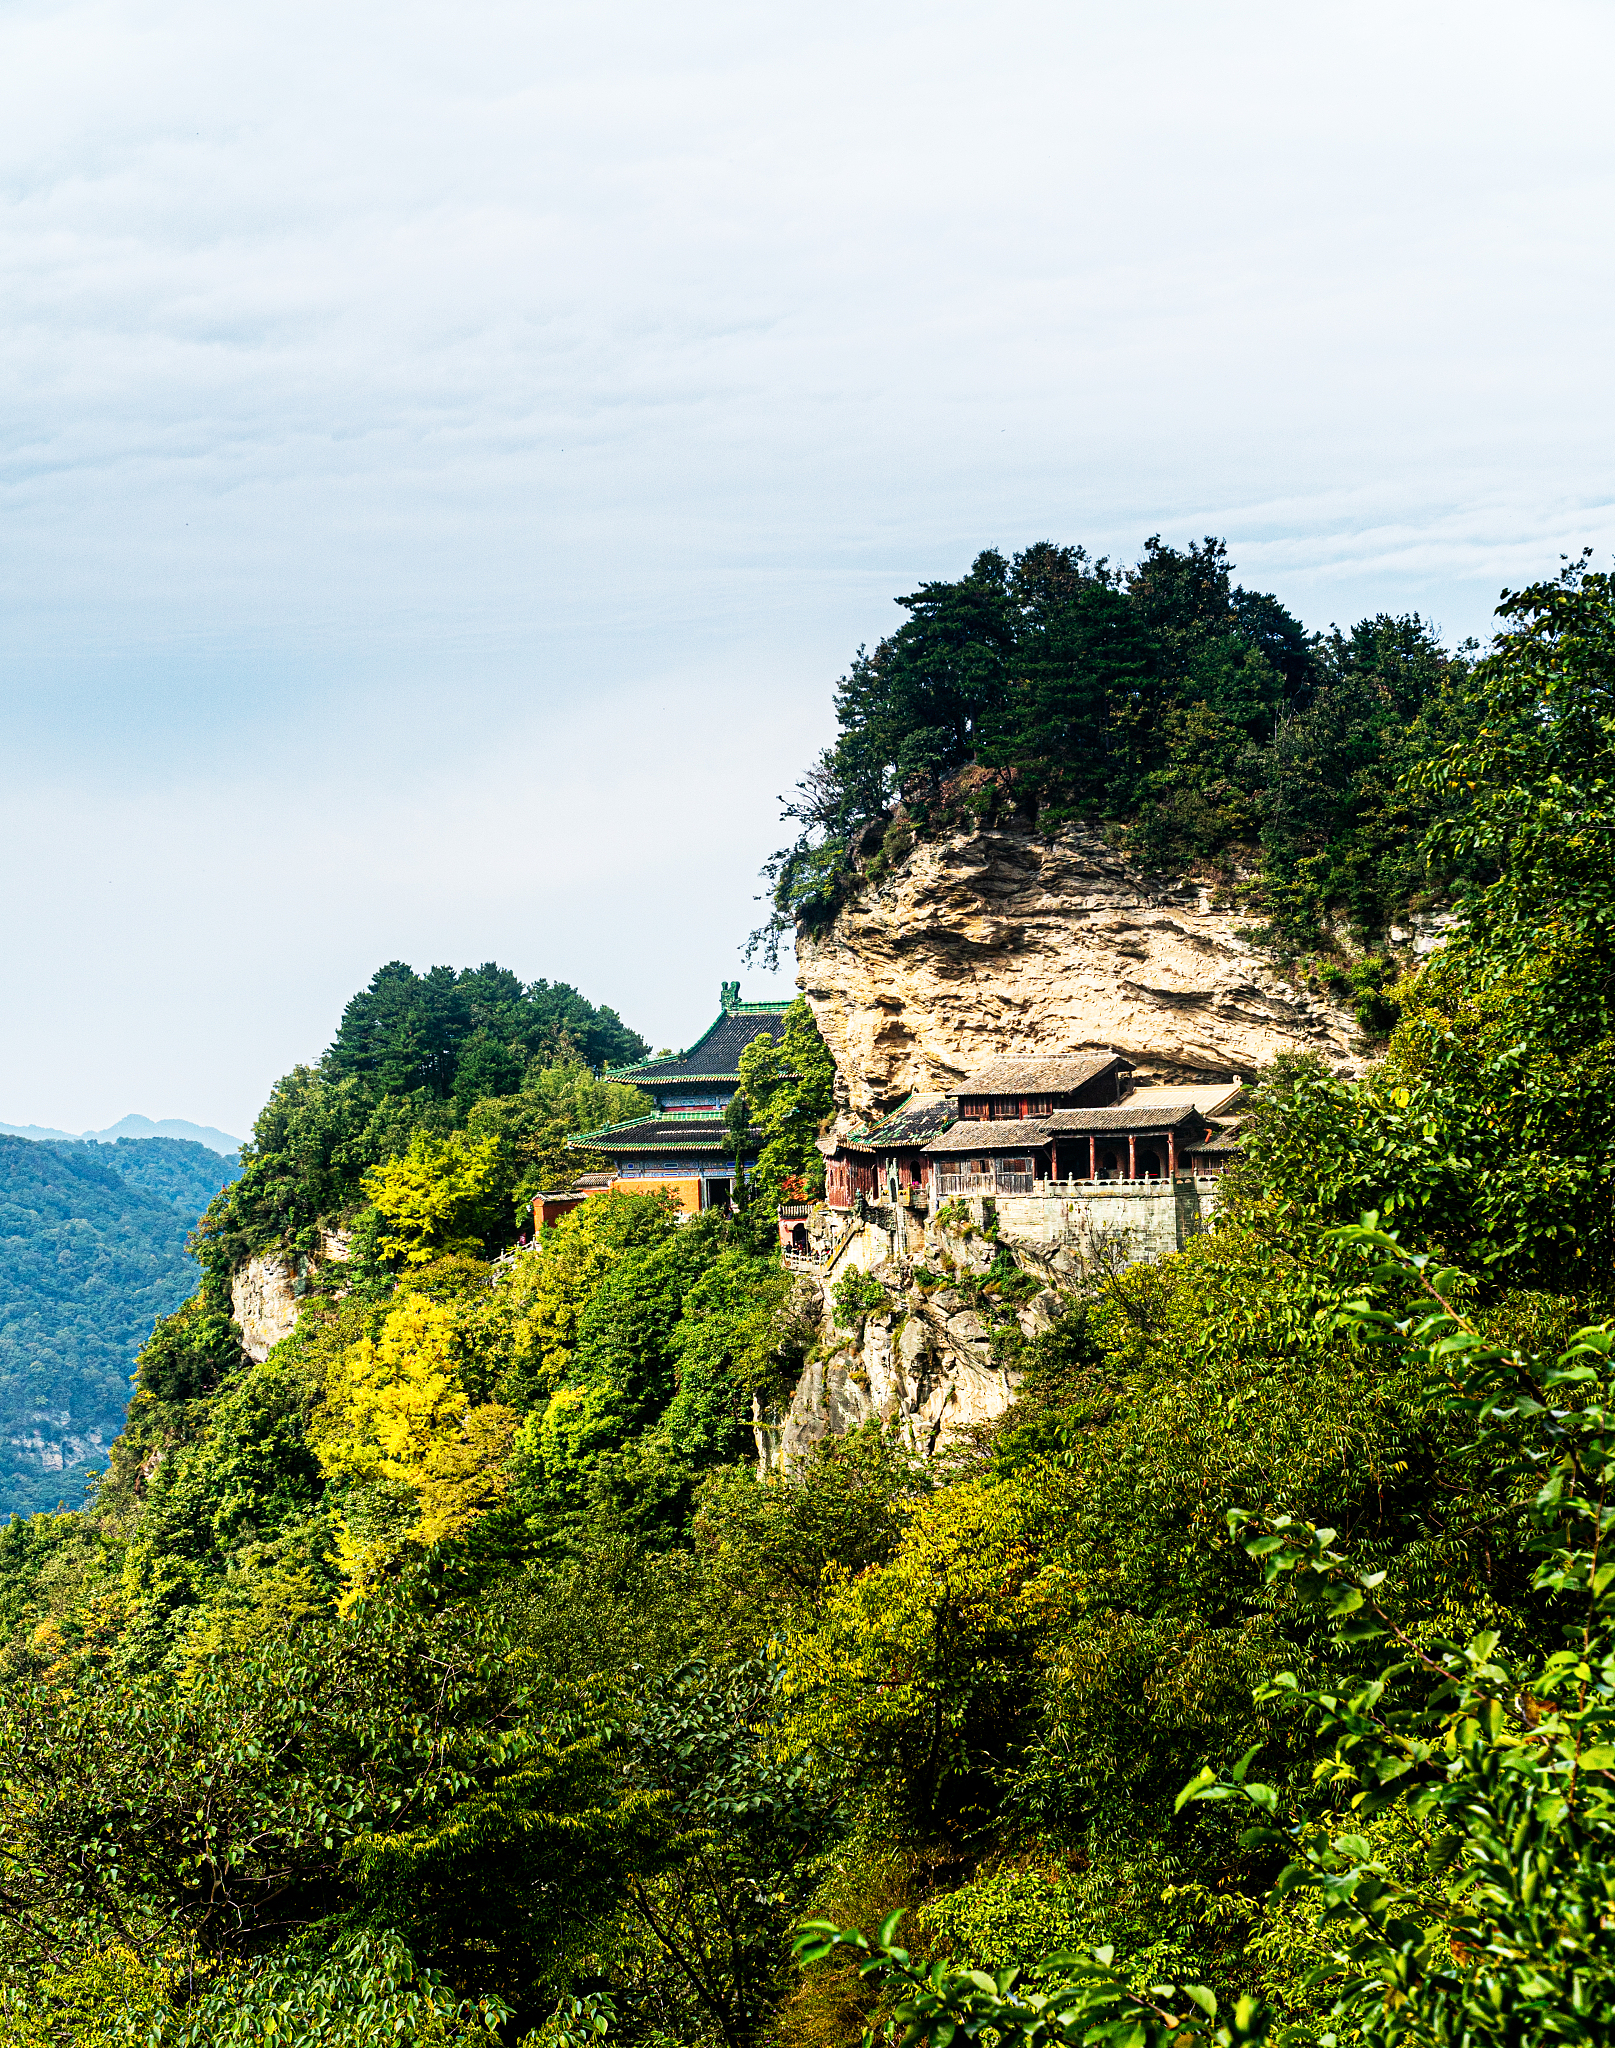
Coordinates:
x,y
131,1126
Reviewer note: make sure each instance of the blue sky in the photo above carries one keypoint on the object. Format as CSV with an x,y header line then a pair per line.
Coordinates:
x,y
448,454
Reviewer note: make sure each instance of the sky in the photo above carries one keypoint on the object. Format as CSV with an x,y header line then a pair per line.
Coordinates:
x,y
449,453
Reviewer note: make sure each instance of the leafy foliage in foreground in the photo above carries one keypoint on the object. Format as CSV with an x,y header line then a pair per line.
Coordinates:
x,y
1465,1892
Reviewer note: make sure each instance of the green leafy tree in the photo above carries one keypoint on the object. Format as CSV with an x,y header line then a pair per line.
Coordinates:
x,y
738,1126
776,1548
394,1768
1063,2001
534,1128
408,1032
1346,810
734,1823
420,1054
1499,1764
1501,1759
641,1342
361,1989
791,1090
1067,733
1165,699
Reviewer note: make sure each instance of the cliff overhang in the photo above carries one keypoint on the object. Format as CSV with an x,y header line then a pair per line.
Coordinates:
x,y
1004,943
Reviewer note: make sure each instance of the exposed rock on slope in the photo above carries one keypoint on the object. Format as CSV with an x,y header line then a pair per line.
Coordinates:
x,y
263,1300
924,1364
265,1295
1000,943
922,1359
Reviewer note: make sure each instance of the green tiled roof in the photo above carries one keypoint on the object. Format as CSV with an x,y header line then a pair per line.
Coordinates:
x,y
640,1077
674,1135
914,1123
715,1055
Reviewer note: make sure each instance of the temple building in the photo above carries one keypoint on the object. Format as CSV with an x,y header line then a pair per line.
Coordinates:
x,y
684,1145
1017,1125
881,1161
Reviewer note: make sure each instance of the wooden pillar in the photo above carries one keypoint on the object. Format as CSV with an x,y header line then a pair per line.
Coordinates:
x,y
1054,1159
1171,1155
1093,1158
1132,1156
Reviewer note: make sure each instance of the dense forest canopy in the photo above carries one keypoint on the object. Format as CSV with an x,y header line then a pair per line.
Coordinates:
x,y
454,1675
1197,719
472,1033
92,1253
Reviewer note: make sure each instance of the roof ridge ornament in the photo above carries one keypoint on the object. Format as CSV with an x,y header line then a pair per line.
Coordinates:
x,y
729,997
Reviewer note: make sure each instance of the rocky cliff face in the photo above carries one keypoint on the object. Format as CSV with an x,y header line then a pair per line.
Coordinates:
x,y
49,1441
998,943
265,1295
921,1359
951,1302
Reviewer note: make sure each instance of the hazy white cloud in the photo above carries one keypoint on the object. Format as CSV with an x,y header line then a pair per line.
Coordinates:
x,y
446,454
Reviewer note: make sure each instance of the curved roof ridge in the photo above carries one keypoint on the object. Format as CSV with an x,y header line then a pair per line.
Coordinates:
x,y
723,1041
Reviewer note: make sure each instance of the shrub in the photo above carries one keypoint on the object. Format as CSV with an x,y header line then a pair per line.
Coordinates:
x,y
856,1295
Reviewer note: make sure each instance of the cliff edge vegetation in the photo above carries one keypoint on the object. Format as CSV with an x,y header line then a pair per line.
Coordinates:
x,y
475,1063
1193,719
454,1675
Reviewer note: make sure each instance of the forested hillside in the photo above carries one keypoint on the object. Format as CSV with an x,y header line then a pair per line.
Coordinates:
x,y
92,1253
454,1676
473,1067
1195,719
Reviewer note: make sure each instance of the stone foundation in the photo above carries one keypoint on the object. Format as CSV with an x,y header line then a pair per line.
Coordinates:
x,y
924,1360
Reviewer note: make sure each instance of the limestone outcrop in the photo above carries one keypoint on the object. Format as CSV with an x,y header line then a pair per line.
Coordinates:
x,y
1000,943
266,1293
50,1441
923,1359
926,1365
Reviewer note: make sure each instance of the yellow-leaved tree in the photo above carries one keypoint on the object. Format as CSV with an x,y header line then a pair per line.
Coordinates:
x,y
439,1198
421,1461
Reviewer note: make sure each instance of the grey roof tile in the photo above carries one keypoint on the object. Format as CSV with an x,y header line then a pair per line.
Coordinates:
x,y
1136,1114
1008,1134
1038,1076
